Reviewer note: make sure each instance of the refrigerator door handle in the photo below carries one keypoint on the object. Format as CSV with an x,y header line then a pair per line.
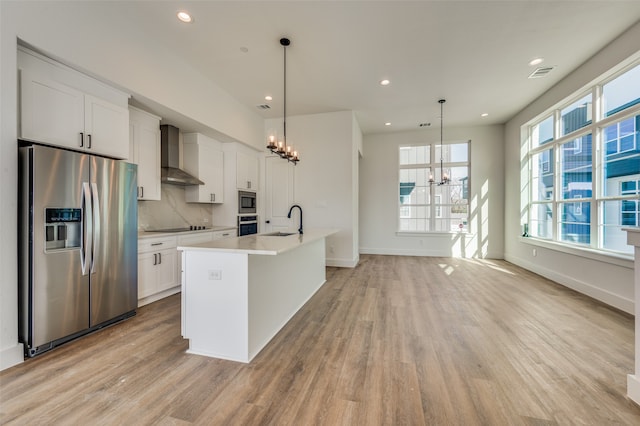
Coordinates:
x,y
96,226
88,228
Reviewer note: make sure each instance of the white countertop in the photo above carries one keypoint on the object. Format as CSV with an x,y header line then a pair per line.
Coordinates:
x,y
261,243
633,235
145,234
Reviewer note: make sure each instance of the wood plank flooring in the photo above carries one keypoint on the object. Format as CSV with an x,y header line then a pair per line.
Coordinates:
x,y
395,341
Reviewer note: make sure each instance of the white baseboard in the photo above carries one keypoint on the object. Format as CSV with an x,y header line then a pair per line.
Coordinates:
x,y
612,299
633,388
421,252
158,296
11,356
403,252
343,263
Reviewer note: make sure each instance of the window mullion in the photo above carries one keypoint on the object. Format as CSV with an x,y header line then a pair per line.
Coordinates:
x,y
555,208
596,167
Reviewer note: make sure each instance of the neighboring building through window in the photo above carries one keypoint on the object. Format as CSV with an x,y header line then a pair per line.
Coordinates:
x,y
584,166
429,207
630,210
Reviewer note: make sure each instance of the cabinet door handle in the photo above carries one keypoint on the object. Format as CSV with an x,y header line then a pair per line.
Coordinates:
x,y
142,192
225,235
81,139
88,141
155,258
159,258
157,244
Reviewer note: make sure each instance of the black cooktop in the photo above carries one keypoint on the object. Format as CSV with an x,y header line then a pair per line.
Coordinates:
x,y
185,229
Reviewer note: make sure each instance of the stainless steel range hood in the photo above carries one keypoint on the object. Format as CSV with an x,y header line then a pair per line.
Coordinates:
x,y
170,158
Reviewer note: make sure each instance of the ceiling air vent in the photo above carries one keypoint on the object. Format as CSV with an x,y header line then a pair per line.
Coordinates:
x,y
540,72
263,106
424,124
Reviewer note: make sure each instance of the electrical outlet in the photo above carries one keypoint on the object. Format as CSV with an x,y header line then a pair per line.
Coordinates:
x,y
535,252
215,274
205,220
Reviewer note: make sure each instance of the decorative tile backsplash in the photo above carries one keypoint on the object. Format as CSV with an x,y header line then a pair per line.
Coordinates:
x,y
172,211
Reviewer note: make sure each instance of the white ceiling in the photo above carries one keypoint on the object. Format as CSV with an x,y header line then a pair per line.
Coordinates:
x,y
473,53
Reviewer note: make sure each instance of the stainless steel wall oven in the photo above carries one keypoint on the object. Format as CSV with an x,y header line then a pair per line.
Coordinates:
x,y
247,225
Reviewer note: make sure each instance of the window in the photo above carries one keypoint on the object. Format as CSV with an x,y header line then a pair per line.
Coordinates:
x,y
425,206
584,166
630,209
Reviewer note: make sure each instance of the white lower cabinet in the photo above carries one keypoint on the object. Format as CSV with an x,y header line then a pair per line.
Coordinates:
x,y
160,262
157,269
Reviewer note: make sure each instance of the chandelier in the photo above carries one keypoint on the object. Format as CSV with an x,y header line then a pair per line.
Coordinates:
x,y
281,148
444,178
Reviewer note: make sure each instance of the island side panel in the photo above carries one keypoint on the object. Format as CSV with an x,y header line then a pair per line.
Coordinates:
x,y
216,308
279,286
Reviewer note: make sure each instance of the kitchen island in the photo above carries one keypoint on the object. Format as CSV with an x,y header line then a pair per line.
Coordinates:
x,y
237,293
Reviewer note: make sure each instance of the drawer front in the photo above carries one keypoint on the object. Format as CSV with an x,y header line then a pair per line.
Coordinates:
x,y
200,237
225,234
156,244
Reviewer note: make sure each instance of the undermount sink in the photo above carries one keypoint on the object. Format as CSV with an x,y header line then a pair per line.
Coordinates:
x,y
278,234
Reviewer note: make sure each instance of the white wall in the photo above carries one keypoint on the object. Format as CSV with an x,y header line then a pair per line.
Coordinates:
x,y
132,62
607,279
356,152
324,178
10,351
379,196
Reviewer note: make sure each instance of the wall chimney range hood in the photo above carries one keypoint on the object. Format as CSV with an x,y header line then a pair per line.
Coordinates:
x,y
170,158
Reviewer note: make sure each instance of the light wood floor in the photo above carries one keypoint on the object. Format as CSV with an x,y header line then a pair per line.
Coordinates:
x,y
397,340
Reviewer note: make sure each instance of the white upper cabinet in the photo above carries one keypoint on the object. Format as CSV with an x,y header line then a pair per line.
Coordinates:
x,y
144,146
246,171
50,111
203,158
62,107
106,128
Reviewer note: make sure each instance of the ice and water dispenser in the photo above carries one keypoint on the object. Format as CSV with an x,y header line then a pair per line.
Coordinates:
x,y
62,228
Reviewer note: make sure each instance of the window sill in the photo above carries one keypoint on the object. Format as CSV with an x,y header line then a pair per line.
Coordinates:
x,y
430,234
619,259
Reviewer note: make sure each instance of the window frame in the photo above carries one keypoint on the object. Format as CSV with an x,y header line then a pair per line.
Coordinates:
x,y
561,145
435,210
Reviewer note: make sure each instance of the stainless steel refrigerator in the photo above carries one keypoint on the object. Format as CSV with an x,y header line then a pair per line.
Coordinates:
x,y
78,245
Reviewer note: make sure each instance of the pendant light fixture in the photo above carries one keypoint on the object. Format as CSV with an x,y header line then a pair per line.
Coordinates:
x,y
281,148
444,178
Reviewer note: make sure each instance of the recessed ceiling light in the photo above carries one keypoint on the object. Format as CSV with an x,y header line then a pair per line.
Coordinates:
x,y
387,124
185,17
384,82
484,114
268,98
536,61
